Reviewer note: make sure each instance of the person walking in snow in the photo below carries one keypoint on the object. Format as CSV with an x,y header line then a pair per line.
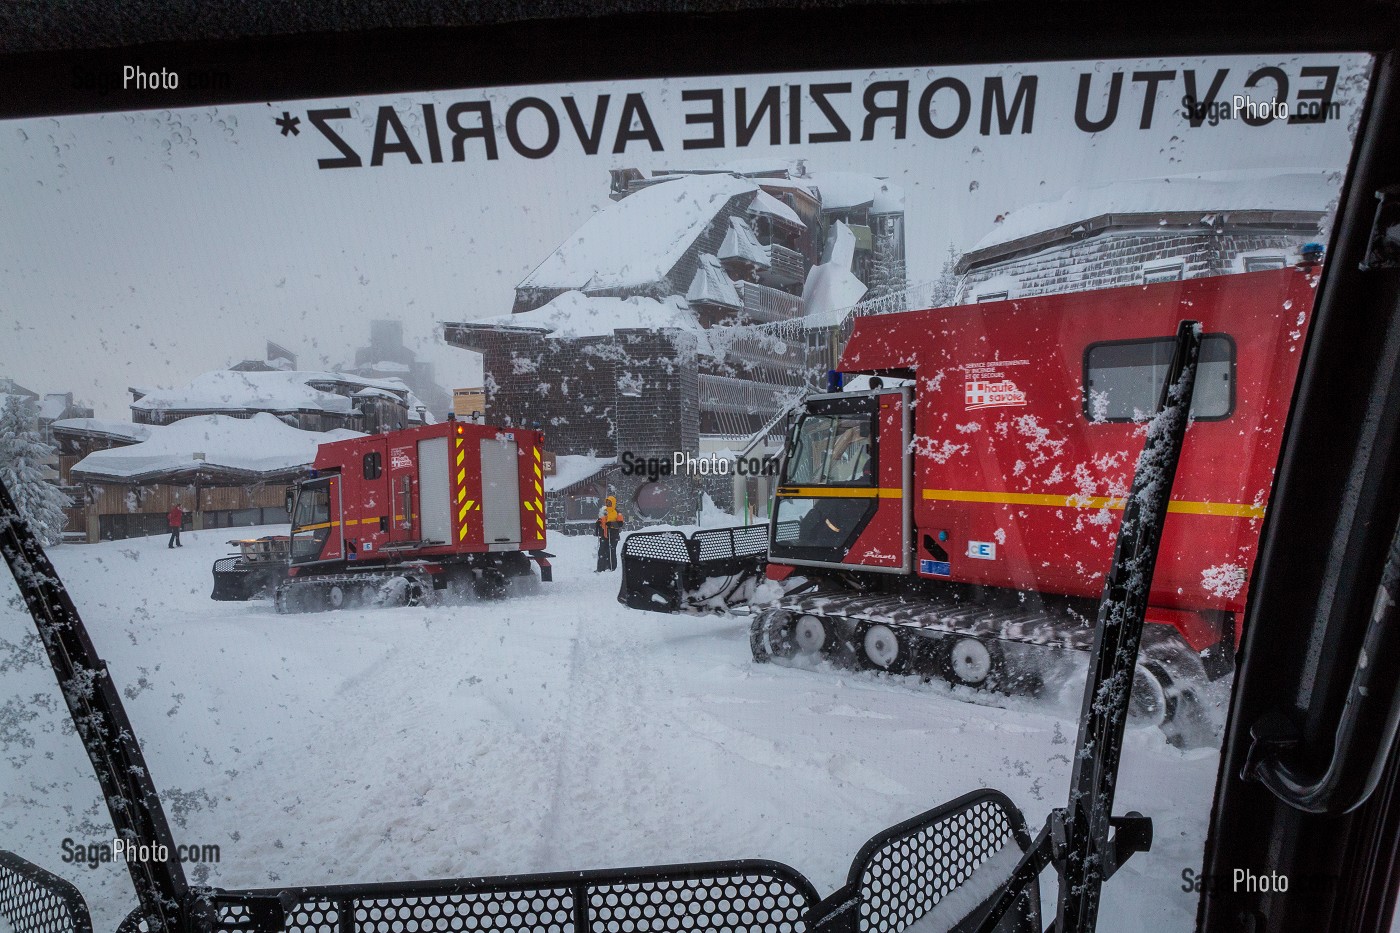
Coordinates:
x,y
610,522
175,518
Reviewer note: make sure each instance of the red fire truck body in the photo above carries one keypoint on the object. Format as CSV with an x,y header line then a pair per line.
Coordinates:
x,y
443,500
1003,462
433,490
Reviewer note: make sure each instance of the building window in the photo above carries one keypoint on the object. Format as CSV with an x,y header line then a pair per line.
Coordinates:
x,y
1261,263
1123,378
1173,271
993,296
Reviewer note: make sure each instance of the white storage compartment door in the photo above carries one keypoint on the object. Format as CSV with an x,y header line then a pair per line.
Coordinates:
x,y
500,492
434,503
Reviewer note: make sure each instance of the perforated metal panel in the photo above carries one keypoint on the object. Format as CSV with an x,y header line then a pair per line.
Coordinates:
x,y
905,871
735,897
718,543
33,900
657,545
734,902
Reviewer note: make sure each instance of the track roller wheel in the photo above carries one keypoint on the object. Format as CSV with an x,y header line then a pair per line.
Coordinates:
x,y
971,662
810,635
883,648
335,596
770,636
412,592
1153,702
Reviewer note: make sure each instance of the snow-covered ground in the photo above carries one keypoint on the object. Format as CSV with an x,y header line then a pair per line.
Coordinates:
x,y
551,731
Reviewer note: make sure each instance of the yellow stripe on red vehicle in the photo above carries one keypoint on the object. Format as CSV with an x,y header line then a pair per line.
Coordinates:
x,y
1180,506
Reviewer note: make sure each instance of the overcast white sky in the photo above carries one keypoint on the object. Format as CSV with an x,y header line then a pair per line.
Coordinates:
x,y
146,248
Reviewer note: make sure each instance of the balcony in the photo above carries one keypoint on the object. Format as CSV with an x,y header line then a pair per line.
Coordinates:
x,y
764,305
785,266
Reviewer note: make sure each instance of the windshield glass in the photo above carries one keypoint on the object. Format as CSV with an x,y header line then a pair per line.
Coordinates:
x,y
656,278
832,449
311,524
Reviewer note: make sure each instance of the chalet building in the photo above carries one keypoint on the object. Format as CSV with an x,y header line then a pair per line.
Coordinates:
x,y
223,471
311,401
1149,230
671,321
224,447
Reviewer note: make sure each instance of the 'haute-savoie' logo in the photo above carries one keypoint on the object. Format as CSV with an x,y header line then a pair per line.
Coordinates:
x,y
982,393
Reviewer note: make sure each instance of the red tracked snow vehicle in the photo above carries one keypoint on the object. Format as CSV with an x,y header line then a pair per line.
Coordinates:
x,y
962,520
396,516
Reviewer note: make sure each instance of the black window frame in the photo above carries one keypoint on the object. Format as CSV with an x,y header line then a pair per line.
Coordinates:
x,y
371,465
1215,335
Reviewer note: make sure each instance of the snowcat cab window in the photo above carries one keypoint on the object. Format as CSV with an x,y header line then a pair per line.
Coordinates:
x,y
1123,378
311,522
831,449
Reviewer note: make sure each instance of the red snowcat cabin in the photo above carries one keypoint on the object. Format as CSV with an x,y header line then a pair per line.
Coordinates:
x,y
425,506
1005,461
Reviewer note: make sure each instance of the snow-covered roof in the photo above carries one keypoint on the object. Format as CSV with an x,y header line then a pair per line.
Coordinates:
x,y
765,203
103,428
831,288
712,285
840,190
53,405
372,392
740,243
639,239
1210,193
574,314
388,366
574,468
258,446
230,390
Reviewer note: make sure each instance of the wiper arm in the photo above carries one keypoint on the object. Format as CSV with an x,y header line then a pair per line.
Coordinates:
x,y
102,724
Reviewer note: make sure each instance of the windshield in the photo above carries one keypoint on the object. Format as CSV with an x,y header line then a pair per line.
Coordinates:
x,y
311,522
659,278
832,449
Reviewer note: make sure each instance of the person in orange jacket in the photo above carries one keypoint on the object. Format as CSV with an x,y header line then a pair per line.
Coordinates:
x,y
610,522
175,518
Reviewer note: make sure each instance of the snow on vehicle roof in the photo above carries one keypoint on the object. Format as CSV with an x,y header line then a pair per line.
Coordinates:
x,y
1207,192
258,446
574,314
574,468
640,238
101,427
231,390
765,203
840,190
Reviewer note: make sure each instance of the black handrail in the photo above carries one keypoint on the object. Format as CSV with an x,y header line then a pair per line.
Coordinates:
x,y
1366,732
